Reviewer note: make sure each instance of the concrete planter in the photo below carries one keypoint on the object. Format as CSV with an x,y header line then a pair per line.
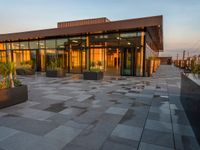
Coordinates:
x,y
93,75
13,96
21,71
190,98
55,73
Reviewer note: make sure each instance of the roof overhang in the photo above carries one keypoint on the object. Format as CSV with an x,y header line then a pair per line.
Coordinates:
x,y
154,25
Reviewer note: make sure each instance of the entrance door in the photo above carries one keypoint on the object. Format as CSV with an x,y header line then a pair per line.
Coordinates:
x,y
112,62
127,62
75,61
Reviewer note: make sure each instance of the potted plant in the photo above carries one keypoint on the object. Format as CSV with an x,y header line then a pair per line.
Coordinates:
x,y
26,68
95,72
11,90
54,69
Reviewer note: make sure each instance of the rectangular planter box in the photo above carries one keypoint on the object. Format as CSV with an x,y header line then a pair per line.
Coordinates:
x,y
21,71
13,96
190,99
55,73
92,75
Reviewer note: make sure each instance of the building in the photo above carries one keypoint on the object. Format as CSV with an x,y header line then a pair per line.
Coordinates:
x,y
165,60
117,47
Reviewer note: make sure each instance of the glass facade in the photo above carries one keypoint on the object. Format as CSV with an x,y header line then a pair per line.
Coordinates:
x,y
116,53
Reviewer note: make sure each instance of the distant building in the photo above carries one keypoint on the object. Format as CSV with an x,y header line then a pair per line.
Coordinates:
x,y
165,60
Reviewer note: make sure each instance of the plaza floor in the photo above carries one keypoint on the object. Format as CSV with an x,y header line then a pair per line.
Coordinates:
x,y
117,113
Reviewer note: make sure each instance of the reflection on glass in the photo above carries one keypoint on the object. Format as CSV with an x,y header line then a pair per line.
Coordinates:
x,y
97,58
1,46
34,45
75,61
60,43
50,56
41,60
51,43
41,44
126,61
17,57
24,45
8,47
2,56
15,45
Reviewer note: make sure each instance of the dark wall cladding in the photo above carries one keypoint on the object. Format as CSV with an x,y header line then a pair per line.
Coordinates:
x,y
190,98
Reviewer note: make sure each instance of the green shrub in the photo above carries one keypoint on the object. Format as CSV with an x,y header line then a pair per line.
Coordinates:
x,y
17,83
95,70
196,69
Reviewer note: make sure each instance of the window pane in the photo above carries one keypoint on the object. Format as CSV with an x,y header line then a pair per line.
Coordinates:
x,y
2,46
15,45
8,46
61,43
24,45
33,44
41,44
50,43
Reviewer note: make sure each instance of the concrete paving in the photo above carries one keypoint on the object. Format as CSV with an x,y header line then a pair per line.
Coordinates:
x,y
120,113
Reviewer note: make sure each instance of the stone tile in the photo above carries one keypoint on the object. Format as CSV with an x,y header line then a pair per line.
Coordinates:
x,y
183,130
35,114
97,132
158,126
57,97
183,142
116,110
32,126
2,114
64,134
134,118
57,107
9,120
59,118
19,141
73,111
91,139
74,124
27,104
6,132
75,147
70,88
83,97
159,117
160,110
158,138
117,143
47,144
127,132
146,146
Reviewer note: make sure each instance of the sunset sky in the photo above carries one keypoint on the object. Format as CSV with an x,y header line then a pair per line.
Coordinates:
x,y
181,17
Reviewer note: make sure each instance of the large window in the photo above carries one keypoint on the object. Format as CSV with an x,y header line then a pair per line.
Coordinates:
x,y
97,57
50,44
34,44
42,44
2,46
2,56
15,45
60,43
24,45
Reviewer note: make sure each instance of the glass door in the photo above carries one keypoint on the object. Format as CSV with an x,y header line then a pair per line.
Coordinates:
x,y
126,62
75,61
